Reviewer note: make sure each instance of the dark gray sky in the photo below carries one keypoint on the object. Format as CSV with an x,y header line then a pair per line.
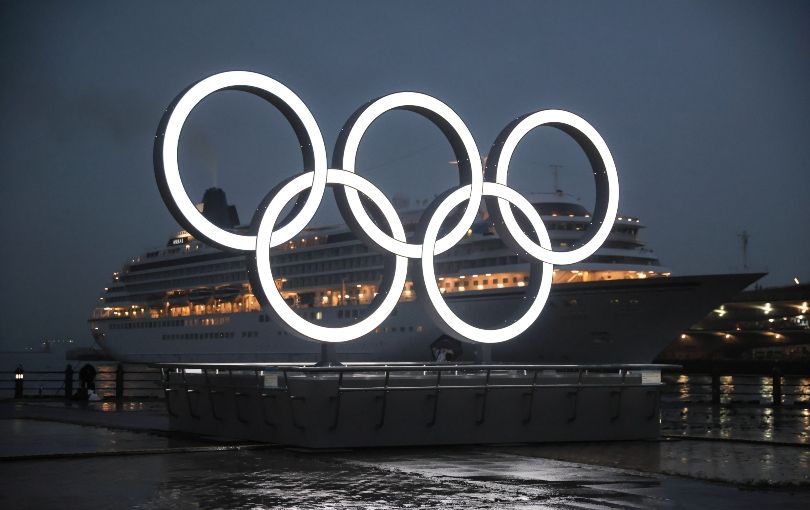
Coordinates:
x,y
705,106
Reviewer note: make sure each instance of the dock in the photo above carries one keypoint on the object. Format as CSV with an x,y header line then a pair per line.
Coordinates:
x,y
381,405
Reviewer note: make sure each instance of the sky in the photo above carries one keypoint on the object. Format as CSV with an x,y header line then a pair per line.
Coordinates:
x,y
704,105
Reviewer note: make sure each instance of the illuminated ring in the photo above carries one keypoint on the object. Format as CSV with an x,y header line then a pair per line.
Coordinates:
x,y
167,171
308,189
444,317
464,147
383,304
604,171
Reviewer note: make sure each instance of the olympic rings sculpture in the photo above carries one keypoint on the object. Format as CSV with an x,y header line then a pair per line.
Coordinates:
x,y
308,188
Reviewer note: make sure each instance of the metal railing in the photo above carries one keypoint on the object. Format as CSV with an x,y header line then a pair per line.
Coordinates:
x,y
279,381
119,382
773,390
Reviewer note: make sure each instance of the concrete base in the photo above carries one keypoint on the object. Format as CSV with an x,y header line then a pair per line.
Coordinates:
x,y
362,406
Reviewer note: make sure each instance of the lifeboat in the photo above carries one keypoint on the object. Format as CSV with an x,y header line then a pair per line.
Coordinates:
x,y
201,295
177,298
228,292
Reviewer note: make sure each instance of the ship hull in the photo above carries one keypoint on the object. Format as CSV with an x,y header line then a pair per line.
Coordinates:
x,y
626,321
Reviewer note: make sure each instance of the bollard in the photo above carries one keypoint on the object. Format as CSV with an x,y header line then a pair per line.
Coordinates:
x,y
119,386
19,377
777,388
68,382
715,388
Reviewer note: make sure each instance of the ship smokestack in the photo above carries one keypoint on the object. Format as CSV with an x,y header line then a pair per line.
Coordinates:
x,y
216,209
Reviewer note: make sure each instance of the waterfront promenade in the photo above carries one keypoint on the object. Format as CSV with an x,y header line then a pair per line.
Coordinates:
x,y
90,456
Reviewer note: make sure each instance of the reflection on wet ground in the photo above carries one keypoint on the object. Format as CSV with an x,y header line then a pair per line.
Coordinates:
x,y
444,478
754,465
32,437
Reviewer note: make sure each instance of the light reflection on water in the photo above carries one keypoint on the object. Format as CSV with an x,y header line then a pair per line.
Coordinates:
x,y
745,422
748,389
745,413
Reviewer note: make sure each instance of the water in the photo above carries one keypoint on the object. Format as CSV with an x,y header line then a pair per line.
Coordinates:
x,y
734,389
745,412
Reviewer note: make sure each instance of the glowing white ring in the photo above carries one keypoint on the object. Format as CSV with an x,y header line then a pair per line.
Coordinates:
x,y
502,168
171,169
445,113
264,238
316,179
449,321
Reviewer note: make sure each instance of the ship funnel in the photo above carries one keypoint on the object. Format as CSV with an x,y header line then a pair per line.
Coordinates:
x,y
216,209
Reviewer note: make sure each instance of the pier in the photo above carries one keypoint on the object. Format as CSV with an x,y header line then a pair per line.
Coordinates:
x,y
704,452
408,405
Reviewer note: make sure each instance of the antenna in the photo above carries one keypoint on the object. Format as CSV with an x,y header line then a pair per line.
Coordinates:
x,y
744,237
555,171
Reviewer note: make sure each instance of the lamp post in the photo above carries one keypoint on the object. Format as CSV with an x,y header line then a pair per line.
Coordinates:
x,y
19,377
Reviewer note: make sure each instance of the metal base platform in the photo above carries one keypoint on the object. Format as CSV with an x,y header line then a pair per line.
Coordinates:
x,y
404,405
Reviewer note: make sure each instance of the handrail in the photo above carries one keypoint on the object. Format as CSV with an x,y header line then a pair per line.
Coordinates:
x,y
406,367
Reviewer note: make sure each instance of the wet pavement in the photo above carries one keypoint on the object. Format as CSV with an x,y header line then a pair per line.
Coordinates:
x,y
751,465
464,478
35,437
128,461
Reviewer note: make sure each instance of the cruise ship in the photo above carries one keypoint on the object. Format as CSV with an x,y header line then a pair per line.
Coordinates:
x,y
188,302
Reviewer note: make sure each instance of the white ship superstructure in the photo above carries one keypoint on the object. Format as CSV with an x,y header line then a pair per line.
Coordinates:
x,y
190,302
